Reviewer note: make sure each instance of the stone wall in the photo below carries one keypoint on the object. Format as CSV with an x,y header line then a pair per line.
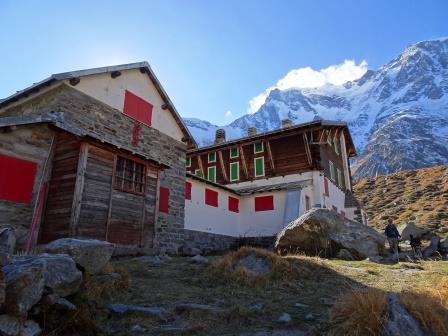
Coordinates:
x,y
103,122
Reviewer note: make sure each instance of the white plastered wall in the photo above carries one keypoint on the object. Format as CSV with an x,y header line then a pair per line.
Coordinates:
x,y
112,90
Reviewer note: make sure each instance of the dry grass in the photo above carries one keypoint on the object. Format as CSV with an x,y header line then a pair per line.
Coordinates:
x,y
95,290
359,313
282,269
428,303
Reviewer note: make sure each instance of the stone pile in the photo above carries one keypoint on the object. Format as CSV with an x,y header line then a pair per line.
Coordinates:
x,y
30,284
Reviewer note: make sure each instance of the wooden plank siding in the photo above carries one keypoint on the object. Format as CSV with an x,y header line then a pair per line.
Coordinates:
x,y
100,211
58,210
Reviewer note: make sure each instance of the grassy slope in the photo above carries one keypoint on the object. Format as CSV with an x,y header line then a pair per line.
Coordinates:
x,y
420,196
322,281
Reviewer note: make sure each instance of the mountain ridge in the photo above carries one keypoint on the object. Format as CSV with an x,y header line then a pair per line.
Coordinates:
x,y
395,113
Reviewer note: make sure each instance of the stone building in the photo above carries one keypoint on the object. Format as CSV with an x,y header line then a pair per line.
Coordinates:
x,y
97,153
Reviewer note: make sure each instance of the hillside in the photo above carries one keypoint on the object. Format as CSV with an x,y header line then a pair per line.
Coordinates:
x,y
394,113
419,196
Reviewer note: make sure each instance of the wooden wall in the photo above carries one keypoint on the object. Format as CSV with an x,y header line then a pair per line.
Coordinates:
x,y
84,171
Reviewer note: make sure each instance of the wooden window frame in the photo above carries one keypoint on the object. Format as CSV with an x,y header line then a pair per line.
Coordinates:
x,y
255,166
208,157
208,174
237,152
255,147
238,171
123,172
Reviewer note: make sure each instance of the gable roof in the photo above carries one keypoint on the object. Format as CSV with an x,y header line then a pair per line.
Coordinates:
x,y
144,68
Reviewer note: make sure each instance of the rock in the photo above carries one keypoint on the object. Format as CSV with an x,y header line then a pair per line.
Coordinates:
x,y
188,251
255,264
189,307
108,278
150,260
323,232
344,254
432,248
285,318
375,259
300,305
123,309
257,306
411,229
30,328
90,254
10,325
137,329
64,305
7,240
400,322
199,259
24,285
309,317
2,287
444,246
326,301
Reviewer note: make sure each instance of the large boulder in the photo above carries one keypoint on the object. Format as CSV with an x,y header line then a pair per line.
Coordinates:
x,y
92,255
416,231
14,326
60,272
323,232
24,285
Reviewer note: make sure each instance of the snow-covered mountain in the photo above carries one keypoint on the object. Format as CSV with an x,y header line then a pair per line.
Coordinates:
x,y
398,114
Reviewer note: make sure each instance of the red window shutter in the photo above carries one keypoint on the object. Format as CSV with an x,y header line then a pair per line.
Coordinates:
x,y
211,197
264,203
16,179
327,190
188,190
164,197
137,108
234,204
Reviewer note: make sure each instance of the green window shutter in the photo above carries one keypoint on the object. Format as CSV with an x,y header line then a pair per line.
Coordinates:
x,y
188,163
211,174
234,171
258,147
259,166
198,173
211,157
234,152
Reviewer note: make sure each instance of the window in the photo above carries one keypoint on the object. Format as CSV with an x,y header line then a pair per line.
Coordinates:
x,y
211,157
307,203
234,204
129,175
211,197
137,108
339,177
188,162
332,171
264,203
234,152
16,179
258,147
234,171
164,198
188,190
211,174
259,166
198,173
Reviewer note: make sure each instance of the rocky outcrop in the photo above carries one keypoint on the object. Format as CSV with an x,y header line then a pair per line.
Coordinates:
x,y
91,255
323,232
255,264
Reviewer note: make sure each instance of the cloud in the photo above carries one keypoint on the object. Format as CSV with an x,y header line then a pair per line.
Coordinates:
x,y
309,78
228,114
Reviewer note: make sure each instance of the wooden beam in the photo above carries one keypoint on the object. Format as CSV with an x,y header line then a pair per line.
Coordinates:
x,y
201,166
307,150
223,167
243,161
79,188
109,210
270,157
321,135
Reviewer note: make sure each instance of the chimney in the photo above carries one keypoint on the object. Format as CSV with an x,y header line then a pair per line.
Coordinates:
x,y
251,131
286,123
220,136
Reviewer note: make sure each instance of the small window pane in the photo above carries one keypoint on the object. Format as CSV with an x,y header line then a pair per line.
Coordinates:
x,y
211,157
259,166
129,175
211,174
234,152
188,162
198,173
258,147
234,171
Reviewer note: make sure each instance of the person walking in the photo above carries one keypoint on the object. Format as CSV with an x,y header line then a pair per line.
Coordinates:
x,y
392,235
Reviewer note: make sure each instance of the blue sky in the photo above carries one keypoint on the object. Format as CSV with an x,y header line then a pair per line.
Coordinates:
x,y
211,56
